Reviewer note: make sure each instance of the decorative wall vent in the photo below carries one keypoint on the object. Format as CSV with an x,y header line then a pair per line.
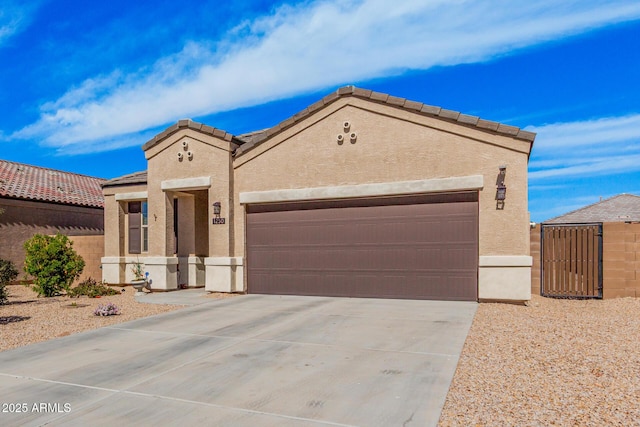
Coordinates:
x,y
353,136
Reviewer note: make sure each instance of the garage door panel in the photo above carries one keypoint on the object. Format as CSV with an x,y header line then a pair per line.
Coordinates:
x,y
424,250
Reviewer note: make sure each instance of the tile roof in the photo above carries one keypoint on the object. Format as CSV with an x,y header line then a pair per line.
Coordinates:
x,y
21,181
187,124
254,138
249,140
131,179
620,208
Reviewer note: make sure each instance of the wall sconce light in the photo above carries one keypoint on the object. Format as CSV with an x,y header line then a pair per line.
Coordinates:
x,y
217,206
501,189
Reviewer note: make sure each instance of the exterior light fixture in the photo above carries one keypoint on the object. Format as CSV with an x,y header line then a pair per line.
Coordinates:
x,y
217,206
501,189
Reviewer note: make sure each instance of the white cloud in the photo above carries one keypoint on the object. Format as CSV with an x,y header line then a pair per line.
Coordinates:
x,y
603,146
307,47
14,18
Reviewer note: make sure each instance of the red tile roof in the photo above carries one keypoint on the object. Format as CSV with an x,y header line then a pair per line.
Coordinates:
x,y
28,182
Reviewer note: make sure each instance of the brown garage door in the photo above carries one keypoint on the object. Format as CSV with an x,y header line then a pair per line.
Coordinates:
x,y
422,247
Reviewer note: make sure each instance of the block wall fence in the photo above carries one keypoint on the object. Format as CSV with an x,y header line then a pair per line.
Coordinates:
x,y
620,260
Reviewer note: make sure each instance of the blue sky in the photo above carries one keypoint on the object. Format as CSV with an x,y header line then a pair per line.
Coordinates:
x,y
84,84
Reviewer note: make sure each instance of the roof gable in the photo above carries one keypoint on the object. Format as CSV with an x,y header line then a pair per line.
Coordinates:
x,y
21,181
252,139
186,124
620,208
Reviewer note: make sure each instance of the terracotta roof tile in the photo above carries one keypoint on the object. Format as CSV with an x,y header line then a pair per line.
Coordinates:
x,y
430,109
488,124
508,130
379,96
449,114
394,100
187,124
362,93
468,120
620,208
28,182
413,105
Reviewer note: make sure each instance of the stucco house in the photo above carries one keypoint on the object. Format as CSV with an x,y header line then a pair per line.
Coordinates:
x,y
34,200
361,194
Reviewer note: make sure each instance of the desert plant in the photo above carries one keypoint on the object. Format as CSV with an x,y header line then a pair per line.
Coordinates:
x,y
52,262
108,309
8,272
91,288
137,270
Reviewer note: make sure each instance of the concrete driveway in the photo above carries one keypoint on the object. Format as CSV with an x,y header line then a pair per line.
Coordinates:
x,y
246,361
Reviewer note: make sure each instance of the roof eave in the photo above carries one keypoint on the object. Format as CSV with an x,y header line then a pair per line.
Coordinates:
x,y
392,101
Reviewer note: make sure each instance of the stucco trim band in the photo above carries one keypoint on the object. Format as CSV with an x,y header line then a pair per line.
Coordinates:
x,y
139,195
184,184
505,261
158,260
227,261
438,185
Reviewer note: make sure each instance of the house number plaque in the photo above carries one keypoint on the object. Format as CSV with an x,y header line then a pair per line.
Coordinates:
x,y
218,221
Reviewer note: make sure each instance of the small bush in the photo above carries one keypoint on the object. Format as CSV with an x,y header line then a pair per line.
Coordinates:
x,y
8,272
92,289
53,263
108,309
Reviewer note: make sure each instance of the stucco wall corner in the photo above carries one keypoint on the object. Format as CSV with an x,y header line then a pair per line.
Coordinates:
x,y
504,278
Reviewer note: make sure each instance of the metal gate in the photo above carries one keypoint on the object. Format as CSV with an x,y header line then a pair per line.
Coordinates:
x,y
571,260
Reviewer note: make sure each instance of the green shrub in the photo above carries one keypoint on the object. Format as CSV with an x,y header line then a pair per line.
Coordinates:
x,y
92,289
52,263
8,272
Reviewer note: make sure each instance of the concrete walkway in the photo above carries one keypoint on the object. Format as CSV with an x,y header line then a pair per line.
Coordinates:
x,y
246,361
181,297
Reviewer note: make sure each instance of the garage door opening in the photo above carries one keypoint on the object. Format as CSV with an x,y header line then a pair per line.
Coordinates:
x,y
415,247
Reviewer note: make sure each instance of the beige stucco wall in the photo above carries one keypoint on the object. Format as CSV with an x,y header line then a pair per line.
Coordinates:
x,y
21,219
116,227
392,145
211,158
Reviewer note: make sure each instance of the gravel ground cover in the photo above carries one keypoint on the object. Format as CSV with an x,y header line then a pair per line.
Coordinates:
x,y
28,319
552,363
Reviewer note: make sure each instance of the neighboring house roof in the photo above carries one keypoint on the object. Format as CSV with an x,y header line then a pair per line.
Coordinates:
x,y
620,208
131,179
21,181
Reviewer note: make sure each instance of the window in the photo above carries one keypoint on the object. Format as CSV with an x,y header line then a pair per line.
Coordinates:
x,y
138,227
145,227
